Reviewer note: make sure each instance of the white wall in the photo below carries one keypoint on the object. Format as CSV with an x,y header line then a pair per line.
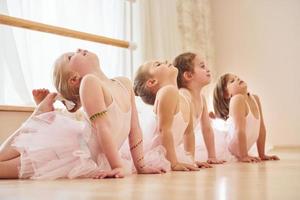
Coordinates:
x,y
259,40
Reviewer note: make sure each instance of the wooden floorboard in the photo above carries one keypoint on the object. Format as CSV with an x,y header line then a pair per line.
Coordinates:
x,y
266,180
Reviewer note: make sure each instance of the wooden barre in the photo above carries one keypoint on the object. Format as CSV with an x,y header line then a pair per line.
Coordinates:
x,y
9,108
27,24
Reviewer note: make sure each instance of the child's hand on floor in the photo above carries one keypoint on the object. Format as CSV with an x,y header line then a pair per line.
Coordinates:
x,y
184,167
151,170
249,159
215,161
272,157
115,173
203,164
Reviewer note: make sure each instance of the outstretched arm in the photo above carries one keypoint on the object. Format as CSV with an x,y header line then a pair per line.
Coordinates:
x,y
136,137
189,136
189,141
237,110
208,135
136,141
167,102
93,101
261,141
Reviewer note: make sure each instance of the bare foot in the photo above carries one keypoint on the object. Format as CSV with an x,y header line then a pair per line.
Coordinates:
x,y
39,95
46,105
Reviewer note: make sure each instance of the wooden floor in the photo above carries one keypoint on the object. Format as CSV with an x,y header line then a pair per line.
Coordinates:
x,y
266,180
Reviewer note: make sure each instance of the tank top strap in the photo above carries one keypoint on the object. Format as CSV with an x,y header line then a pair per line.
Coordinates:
x,y
123,86
256,104
186,100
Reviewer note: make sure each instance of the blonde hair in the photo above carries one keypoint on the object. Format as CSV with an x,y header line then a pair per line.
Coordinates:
x,y
140,87
184,62
61,82
221,100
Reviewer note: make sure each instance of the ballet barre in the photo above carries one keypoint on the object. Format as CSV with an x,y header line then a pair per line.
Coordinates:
x,y
36,26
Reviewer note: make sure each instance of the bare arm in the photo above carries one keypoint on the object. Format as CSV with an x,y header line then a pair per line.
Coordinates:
x,y
262,132
208,136
136,137
207,132
237,110
166,107
261,141
189,141
92,99
189,136
168,100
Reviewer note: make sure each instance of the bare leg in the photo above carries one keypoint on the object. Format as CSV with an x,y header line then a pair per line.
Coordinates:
x,y
39,95
46,105
9,169
8,153
6,144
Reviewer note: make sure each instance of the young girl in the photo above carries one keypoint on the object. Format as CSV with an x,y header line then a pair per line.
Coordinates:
x,y
193,76
155,83
50,145
242,110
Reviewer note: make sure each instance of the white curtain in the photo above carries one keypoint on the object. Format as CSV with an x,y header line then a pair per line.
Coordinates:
x,y
12,76
27,56
158,33
170,27
162,30
194,23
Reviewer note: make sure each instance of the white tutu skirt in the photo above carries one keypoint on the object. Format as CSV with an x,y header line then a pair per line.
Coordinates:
x,y
222,141
156,157
52,146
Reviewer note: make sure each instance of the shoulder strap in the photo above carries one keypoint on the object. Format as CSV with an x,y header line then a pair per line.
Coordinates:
x,y
122,85
255,104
